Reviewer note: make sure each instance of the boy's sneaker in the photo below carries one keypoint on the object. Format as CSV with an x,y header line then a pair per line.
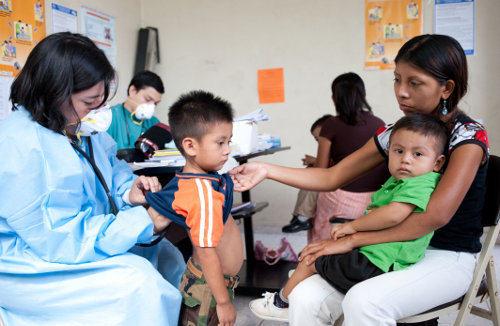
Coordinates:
x,y
265,309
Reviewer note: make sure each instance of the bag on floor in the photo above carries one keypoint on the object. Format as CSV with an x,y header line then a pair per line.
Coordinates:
x,y
272,256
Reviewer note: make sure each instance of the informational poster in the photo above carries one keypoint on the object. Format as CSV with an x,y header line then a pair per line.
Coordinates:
x,y
456,18
271,86
22,27
388,25
64,19
100,28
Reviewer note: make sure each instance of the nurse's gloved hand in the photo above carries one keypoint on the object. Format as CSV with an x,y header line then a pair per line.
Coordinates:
x,y
139,188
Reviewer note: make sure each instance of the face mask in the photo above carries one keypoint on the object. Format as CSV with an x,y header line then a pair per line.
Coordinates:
x,y
95,121
144,111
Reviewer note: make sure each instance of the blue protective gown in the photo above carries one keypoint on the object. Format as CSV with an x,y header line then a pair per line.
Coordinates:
x,y
64,260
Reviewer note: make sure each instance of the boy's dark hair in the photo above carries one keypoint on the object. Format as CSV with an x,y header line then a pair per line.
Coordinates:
x,y
320,122
145,79
192,114
60,65
442,57
425,125
349,97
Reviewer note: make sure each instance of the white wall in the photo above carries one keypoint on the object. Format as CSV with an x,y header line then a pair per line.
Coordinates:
x,y
219,45
127,20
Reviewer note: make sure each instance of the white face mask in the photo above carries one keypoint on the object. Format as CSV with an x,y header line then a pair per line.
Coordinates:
x,y
144,111
95,121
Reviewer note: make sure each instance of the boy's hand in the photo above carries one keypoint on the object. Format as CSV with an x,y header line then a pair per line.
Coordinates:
x,y
160,222
341,230
226,314
308,160
139,188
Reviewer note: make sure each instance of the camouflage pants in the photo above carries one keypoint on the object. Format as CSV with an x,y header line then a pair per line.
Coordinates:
x,y
198,303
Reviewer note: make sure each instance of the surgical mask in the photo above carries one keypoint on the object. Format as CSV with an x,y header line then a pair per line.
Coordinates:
x,y
95,121
144,111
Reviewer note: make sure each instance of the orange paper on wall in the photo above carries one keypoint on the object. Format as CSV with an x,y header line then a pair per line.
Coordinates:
x,y
270,85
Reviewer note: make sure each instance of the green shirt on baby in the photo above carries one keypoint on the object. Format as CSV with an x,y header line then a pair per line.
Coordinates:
x,y
416,191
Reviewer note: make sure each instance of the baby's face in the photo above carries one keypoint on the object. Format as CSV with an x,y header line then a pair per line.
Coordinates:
x,y
213,150
412,154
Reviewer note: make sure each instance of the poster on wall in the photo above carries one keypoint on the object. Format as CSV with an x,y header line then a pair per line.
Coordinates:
x,y
456,18
64,19
100,28
22,27
388,25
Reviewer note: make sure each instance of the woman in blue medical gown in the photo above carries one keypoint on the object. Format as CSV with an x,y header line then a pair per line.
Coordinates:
x,y
65,258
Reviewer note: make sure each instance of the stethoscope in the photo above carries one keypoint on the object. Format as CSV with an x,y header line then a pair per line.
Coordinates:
x,y
114,209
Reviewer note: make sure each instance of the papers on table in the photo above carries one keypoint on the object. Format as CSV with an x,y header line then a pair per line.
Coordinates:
x,y
255,116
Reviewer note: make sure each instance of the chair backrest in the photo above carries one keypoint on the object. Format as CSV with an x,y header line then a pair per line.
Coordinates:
x,y
492,202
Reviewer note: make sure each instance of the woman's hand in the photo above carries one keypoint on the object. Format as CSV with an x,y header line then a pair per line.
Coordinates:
x,y
341,230
248,175
139,188
308,160
160,222
326,247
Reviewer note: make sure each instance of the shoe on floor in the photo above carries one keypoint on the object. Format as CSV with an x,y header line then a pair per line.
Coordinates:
x,y
264,308
296,225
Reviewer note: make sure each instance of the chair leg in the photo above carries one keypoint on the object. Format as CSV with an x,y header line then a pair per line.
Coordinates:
x,y
493,293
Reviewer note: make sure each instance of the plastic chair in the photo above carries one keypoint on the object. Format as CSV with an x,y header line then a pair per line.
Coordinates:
x,y
484,284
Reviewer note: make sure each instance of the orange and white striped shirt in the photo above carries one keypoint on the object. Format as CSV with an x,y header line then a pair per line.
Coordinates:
x,y
201,203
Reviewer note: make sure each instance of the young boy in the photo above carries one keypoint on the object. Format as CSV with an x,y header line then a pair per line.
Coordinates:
x,y
416,150
305,206
200,200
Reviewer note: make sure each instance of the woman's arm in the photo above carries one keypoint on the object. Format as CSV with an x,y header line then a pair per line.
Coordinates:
x,y
361,161
444,202
323,154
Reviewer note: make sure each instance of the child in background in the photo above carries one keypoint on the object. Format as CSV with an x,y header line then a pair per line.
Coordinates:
x,y
200,200
417,145
305,206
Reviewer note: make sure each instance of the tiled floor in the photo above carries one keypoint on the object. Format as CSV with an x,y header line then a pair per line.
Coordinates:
x,y
246,318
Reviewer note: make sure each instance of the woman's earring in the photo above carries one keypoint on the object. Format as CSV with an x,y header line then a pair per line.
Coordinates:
x,y
444,109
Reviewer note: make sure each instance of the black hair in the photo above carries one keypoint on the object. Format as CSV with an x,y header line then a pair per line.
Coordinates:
x,y
442,57
425,125
145,79
193,113
60,65
349,97
320,121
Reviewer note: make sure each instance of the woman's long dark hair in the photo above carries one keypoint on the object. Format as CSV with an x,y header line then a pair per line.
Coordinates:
x,y
349,97
442,57
60,65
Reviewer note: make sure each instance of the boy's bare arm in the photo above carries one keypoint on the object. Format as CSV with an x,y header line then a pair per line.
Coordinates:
x,y
383,217
377,219
211,267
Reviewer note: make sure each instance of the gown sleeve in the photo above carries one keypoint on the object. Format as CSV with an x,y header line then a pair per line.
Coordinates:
x,y
51,201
